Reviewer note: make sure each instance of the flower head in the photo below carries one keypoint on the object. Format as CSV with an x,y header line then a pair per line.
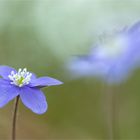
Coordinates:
x,y
21,78
113,58
27,86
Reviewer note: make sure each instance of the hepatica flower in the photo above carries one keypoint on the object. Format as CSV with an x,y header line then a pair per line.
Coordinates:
x,y
26,85
112,59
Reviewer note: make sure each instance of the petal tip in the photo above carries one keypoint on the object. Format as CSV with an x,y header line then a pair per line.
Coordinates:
x,y
41,112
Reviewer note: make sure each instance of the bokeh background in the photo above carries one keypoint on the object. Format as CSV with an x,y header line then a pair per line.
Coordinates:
x,y
42,35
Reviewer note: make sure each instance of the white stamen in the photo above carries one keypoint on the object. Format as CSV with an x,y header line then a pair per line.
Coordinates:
x,y
21,78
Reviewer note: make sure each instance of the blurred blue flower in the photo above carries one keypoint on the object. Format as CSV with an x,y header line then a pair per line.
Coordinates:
x,y
27,86
113,58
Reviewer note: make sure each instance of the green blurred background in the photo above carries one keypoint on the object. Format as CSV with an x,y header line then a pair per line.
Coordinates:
x,y
42,35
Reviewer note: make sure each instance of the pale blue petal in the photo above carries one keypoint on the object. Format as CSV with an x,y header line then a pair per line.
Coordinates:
x,y
34,99
7,92
135,28
33,77
5,71
44,81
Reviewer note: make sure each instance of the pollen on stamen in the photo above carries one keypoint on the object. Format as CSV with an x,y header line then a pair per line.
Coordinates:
x,y
21,78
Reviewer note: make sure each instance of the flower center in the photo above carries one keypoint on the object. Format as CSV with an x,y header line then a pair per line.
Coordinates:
x,y
21,78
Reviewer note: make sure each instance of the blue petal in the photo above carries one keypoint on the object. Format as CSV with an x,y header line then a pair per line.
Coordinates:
x,y
33,77
80,66
34,99
7,92
135,28
44,81
5,71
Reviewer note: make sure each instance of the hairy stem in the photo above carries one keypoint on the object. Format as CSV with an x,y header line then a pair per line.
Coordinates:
x,y
14,118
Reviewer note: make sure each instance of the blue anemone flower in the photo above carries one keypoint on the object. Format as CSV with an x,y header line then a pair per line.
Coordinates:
x,y
27,86
113,58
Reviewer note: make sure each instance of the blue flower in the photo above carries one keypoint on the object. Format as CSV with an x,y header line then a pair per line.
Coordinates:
x,y
27,86
112,59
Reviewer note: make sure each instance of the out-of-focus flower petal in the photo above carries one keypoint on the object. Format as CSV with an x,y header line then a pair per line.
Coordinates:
x,y
135,28
34,99
113,59
80,66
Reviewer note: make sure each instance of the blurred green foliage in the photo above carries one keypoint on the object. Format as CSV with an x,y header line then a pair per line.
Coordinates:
x,y
41,35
